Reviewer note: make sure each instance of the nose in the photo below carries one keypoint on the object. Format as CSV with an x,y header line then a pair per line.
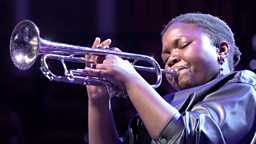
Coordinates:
x,y
174,58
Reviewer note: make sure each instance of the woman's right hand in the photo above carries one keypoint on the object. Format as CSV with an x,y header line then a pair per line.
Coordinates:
x,y
97,94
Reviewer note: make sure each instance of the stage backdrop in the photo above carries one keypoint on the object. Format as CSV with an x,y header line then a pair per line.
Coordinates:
x,y
36,110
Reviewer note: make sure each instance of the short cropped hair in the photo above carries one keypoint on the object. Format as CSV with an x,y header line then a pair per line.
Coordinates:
x,y
215,28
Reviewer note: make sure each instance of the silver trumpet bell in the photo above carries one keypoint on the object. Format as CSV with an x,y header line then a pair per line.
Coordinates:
x,y
26,45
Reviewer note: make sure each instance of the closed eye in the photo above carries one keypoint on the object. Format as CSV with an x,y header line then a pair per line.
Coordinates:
x,y
184,45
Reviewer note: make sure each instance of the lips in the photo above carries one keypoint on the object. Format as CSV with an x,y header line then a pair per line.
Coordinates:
x,y
174,80
179,68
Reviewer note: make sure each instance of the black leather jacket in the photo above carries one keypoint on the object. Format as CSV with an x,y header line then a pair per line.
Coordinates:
x,y
219,112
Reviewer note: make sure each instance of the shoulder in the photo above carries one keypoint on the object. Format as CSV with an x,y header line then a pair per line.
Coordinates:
x,y
244,76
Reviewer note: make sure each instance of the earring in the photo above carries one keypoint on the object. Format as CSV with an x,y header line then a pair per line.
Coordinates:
x,y
221,60
220,71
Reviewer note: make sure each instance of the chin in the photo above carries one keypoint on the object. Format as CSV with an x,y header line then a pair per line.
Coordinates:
x,y
185,85
180,86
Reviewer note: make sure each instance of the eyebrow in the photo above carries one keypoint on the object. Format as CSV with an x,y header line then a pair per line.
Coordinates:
x,y
175,42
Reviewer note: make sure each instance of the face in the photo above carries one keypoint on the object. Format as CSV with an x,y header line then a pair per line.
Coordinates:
x,y
188,49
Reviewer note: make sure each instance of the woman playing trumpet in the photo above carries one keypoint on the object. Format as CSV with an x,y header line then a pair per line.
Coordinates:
x,y
213,103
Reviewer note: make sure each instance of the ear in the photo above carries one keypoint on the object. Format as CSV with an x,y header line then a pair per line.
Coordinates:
x,y
223,49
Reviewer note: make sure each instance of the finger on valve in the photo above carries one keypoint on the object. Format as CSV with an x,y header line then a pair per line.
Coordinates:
x,y
94,59
104,44
90,58
96,42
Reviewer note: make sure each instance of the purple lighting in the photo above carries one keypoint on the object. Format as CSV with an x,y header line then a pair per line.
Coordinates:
x,y
106,16
252,64
21,10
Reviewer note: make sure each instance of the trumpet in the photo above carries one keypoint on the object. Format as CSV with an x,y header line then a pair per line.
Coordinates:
x,y
26,45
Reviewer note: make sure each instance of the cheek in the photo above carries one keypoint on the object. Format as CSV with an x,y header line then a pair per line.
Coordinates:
x,y
200,55
203,63
192,57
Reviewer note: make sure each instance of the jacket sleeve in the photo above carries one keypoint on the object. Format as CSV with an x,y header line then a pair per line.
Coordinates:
x,y
224,116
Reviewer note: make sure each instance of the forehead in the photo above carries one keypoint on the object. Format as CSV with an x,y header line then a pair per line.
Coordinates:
x,y
177,30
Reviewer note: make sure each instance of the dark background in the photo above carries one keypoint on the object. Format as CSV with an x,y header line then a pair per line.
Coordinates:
x,y
36,110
